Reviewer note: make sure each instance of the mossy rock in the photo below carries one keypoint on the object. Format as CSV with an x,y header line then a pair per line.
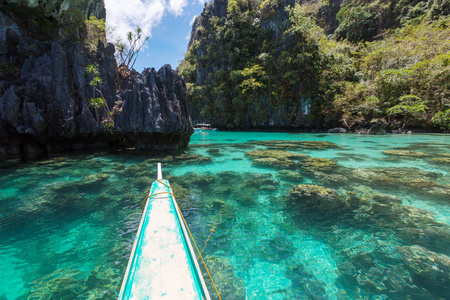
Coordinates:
x,y
441,160
405,153
260,180
329,178
318,145
278,154
276,249
432,268
214,152
318,164
274,163
292,175
312,190
287,146
223,271
422,183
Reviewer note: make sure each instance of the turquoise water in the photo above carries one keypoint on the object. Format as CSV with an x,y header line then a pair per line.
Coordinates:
x,y
359,224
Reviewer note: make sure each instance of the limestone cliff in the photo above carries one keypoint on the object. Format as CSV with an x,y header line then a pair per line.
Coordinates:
x,y
45,89
154,110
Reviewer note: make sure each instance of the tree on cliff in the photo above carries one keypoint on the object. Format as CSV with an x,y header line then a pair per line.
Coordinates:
x,y
127,54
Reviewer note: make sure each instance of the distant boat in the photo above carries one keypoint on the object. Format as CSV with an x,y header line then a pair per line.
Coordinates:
x,y
204,127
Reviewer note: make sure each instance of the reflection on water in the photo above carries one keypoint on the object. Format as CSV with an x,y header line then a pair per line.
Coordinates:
x,y
295,216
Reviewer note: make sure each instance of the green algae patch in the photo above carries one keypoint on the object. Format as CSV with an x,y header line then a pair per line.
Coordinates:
x,y
223,271
412,179
277,154
313,164
275,158
274,163
291,176
441,160
432,268
405,153
280,144
312,190
318,145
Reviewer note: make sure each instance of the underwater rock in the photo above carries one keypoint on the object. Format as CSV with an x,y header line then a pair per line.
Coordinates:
x,y
313,164
405,153
190,179
274,158
330,179
293,176
286,146
142,183
63,283
277,154
403,178
222,271
430,270
277,249
88,182
214,152
179,191
317,145
304,282
379,273
261,180
191,158
310,192
274,163
441,160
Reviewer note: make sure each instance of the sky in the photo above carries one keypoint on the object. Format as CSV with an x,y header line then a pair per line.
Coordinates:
x,y
168,23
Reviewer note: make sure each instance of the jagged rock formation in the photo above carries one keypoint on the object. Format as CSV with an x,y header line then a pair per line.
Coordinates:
x,y
154,110
45,91
58,8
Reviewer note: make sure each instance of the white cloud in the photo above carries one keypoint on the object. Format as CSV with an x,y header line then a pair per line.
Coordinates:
x,y
176,6
192,20
127,15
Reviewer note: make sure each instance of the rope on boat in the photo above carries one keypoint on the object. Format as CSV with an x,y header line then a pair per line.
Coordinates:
x,y
206,243
192,238
149,196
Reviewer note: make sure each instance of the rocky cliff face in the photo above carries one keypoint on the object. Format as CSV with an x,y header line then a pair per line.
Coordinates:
x,y
59,8
154,112
45,92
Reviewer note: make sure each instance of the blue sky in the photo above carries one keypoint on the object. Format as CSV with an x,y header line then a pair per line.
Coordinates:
x,y
168,23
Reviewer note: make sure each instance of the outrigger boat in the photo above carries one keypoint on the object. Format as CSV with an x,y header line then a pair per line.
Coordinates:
x,y
204,127
162,264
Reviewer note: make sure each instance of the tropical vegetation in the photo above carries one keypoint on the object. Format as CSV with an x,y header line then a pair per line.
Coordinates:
x,y
321,64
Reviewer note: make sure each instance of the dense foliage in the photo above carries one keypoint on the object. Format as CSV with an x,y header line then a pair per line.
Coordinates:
x,y
271,64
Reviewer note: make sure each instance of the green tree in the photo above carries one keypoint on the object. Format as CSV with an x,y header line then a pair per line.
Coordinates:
x,y
442,119
410,106
128,53
355,24
97,102
95,31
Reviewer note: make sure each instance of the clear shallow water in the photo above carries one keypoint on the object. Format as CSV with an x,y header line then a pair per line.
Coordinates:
x,y
365,225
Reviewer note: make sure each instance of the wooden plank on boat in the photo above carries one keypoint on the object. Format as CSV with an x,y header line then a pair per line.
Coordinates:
x,y
162,264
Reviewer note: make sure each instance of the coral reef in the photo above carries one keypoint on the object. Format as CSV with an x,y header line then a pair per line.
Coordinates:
x,y
314,164
405,153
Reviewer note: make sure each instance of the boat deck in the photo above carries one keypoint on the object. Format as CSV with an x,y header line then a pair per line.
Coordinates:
x,y
162,263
